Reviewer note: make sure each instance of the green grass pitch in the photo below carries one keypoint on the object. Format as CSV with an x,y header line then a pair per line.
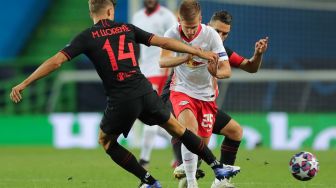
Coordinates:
x,y
35,167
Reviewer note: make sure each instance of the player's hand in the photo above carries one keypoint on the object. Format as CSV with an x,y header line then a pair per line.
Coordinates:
x,y
261,46
15,95
208,55
213,68
189,57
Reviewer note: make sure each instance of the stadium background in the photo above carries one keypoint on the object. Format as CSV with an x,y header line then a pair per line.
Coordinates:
x,y
289,104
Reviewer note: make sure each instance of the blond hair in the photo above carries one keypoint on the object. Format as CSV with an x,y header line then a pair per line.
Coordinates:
x,y
189,9
95,6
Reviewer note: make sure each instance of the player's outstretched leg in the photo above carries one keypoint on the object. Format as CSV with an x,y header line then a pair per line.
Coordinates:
x,y
126,159
197,146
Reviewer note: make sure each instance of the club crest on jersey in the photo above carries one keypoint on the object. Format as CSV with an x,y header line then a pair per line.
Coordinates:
x,y
182,103
193,64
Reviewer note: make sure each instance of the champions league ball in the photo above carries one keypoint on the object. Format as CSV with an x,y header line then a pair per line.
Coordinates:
x,y
304,166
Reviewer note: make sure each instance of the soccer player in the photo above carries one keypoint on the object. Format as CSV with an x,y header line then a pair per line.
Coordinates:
x,y
156,19
193,88
224,125
110,46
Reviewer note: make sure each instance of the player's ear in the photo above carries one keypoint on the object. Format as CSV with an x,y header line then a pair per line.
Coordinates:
x,y
179,20
110,13
201,18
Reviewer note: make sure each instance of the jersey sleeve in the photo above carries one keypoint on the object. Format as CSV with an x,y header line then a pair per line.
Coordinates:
x,y
217,46
170,33
142,36
75,47
235,59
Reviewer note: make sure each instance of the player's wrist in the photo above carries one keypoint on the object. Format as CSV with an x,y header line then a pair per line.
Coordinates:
x,y
199,52
25,84
258,53
188,57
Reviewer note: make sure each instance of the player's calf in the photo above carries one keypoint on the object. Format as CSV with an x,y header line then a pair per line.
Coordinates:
x,y
124,158
233,133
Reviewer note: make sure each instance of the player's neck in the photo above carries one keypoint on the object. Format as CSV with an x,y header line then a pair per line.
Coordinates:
x,y
96,19
190,37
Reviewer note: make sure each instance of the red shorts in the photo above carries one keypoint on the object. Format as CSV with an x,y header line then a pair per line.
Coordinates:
x,y
158,83
204,111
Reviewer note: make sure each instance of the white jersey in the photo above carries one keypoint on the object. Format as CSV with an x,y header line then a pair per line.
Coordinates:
x,y
193,77
157,23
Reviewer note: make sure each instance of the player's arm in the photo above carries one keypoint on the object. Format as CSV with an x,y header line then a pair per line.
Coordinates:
x,y
169,60
43,70
177,46
253,64
149,39
224,70
72,50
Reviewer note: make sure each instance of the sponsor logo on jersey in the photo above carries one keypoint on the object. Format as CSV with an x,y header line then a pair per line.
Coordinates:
x,y
182,103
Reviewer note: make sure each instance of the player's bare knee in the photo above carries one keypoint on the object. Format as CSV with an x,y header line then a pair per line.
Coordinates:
x,y
239,132
173,127
193,130
233,131
104,140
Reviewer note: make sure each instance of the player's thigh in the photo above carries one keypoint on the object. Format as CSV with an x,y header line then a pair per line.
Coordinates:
x,y
221,121
188,119
119,118
185,109
206,118
232,130
154,112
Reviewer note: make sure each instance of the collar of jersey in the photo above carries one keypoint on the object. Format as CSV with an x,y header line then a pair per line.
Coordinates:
x,y
105,22
191,39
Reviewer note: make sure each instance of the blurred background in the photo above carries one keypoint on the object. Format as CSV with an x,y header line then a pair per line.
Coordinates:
x,y
289,104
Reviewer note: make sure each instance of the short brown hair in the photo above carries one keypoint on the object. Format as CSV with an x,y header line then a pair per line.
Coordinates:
x,y
189,9
96,6
223,16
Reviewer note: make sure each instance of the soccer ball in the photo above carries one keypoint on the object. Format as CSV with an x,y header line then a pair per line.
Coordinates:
x,y
304,166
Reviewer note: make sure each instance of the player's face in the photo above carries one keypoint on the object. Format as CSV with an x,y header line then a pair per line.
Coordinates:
x,y
150,4
223,29
190,28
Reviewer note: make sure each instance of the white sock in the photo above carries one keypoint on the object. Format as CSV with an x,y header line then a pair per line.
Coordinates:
x,y
190,164
149,135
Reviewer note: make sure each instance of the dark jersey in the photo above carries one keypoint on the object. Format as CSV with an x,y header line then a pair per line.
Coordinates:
x,y
234,59
112,48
